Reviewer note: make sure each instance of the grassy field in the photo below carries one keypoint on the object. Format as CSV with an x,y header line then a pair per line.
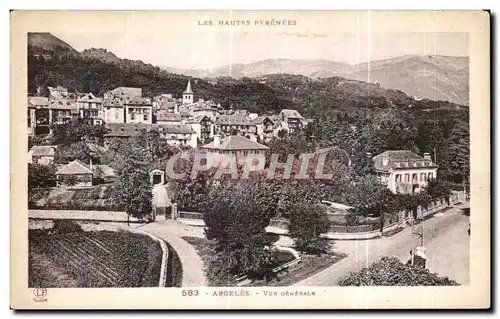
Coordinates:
x,y
93,259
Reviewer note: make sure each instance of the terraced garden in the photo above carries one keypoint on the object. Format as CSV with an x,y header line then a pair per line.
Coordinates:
x,y
93,259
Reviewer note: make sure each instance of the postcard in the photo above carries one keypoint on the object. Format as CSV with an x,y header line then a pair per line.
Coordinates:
x,y
250,160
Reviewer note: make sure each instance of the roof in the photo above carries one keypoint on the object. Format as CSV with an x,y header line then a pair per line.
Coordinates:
x,y
188,88
112,103
236,142
199,118
38,101
167,116
89,97
400,159
291,114
73,168
43,150
106,170
232,120
134,129
63,105
137,100
260,119
175,128
122,90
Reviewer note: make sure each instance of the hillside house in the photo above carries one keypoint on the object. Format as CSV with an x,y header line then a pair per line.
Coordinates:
x,y
234,145
38,115
164,117
74,174
264,127
204,108
42,154
79,174
178,134
58,92
291,120
404,171
227,124
113,111
138,110
203,127
62,111
91,108
175,134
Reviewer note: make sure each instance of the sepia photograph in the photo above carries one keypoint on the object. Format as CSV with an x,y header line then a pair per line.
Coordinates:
x,y
236,155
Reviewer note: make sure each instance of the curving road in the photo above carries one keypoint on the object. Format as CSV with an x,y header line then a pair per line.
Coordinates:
x,y
445,237
192,265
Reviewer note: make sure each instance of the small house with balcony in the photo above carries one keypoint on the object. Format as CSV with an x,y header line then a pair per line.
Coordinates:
x,y
291,120
91,109
264,127
203,126
404,171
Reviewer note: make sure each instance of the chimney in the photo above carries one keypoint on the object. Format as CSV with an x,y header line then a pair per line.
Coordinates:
x,y
90,164
176,108
385,160
216,139
427,156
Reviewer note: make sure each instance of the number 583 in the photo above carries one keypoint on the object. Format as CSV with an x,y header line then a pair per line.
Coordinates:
x,y
190,293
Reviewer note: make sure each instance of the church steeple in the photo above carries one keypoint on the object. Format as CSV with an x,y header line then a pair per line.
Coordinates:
x,y
187,95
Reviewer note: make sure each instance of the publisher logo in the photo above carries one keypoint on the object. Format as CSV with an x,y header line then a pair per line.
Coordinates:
x,y
40,294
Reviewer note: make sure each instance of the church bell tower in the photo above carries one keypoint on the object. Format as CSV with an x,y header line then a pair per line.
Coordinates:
x,y
187,95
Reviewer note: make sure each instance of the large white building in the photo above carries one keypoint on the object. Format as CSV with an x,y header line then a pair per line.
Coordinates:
x,y
404,171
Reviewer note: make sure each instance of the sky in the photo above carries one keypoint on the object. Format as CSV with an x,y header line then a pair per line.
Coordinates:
x,y
181,41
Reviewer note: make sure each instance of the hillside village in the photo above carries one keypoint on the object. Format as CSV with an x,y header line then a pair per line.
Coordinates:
x,y
100,144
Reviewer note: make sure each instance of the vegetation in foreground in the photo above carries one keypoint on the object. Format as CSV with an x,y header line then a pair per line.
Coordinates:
x,y
65,256
390,271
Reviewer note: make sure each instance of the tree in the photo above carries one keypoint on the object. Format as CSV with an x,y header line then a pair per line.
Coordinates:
x,y
40,176
134,189
76,151
438,190
369,197
307,224
76,131
237,222
390,271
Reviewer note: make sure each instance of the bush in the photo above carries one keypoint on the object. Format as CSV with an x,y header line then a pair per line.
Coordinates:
x,y
66,226
390,271
352,220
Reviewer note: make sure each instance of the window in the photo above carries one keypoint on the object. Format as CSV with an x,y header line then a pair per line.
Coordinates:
x,y
407,178
398,178
132,116
423,177
146,117
430,176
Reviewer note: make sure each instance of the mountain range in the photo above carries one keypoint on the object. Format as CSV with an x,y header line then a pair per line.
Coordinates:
x,y
432,77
